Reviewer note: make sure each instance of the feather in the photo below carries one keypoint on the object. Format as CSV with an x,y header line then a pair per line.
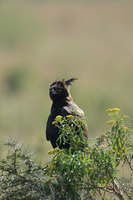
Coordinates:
x,y
69,81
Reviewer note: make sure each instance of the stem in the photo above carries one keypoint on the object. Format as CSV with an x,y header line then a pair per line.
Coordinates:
x,y
119,194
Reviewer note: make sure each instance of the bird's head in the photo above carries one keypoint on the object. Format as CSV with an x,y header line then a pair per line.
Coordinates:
x,y
60,89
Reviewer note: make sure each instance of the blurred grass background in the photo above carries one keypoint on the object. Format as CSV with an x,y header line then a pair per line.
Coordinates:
x,y
41,41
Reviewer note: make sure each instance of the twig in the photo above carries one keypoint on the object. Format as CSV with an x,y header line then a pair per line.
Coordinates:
x,y
119,194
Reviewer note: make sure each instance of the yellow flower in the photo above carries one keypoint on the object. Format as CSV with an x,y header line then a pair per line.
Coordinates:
x,y
92,168
51,151
111,122
57,119
113,110
69,116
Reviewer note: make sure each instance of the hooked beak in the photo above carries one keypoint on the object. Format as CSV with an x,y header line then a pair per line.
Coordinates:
x,y
53,89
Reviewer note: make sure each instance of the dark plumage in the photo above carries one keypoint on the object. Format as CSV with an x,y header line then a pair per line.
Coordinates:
x,y
62,105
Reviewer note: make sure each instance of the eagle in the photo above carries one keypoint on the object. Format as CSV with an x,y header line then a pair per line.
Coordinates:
x,y
63,105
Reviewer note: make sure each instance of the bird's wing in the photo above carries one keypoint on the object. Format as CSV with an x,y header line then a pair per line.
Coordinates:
x,y
73,107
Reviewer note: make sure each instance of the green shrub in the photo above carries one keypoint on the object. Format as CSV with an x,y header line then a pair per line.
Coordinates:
x,y
84,171
17,79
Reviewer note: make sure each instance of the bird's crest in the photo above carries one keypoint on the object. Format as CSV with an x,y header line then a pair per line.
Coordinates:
x,y
69,81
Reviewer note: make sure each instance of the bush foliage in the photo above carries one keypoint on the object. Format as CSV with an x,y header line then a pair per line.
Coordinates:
x,y
84,171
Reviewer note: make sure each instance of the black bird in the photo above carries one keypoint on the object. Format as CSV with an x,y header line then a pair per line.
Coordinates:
x,y
62,105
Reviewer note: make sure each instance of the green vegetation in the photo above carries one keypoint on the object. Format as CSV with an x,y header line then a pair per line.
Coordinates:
x,y
90,40
17,79
84,171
